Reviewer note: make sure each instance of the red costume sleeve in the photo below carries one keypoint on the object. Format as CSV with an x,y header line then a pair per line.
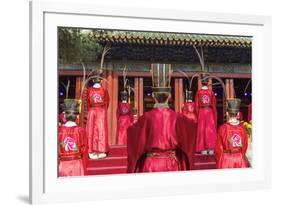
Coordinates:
x,y
219,143
82,139
186,134
106,98
136,143
245,141
83,147
132,116
88,98
214,104
197,103
117,111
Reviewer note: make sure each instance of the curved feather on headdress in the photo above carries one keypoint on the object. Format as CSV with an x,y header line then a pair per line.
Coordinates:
x,y
247,85
192,77
104,52
88,78
201,57
189,79
130,89
220,82
125,80
96,72
66,87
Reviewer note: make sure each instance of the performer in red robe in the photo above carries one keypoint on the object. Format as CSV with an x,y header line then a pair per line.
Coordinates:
x,y
124,119
96,128
205,102
232,141
154,141
71,142
188,108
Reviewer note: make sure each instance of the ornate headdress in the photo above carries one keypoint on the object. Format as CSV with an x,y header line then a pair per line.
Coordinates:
x,y
188,92
161,77
71,105
124,92
233,105
98,72
94,74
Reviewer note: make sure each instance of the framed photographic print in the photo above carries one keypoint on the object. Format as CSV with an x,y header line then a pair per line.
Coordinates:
x,y
131,102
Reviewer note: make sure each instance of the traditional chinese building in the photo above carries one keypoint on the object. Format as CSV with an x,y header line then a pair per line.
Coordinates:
x,y
227,57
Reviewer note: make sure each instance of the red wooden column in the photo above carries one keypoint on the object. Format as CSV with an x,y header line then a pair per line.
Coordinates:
x,y
178,94
109,87
112,87
199,83
138,86
136,94
78,87
181,94
140,98
227,87
114,100
210,86
231,89
176,102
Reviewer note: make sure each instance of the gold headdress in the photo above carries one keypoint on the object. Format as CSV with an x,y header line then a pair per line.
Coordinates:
x,y
161,77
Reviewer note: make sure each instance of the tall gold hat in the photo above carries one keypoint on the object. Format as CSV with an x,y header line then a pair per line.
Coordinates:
x,y
71,105
233,105
161,77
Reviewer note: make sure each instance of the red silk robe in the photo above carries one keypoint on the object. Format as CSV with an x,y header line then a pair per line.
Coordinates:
x,y
205,102
96,128
154,142
189,111
71,151
249,112
62,119
124,121
231,146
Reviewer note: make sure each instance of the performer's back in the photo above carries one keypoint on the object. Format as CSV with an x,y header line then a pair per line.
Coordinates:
x,y
161,128
152,142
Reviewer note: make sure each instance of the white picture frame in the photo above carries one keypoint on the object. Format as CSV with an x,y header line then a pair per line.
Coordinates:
x,y
46,187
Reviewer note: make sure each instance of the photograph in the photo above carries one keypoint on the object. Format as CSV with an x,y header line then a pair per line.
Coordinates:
x,y
151,101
